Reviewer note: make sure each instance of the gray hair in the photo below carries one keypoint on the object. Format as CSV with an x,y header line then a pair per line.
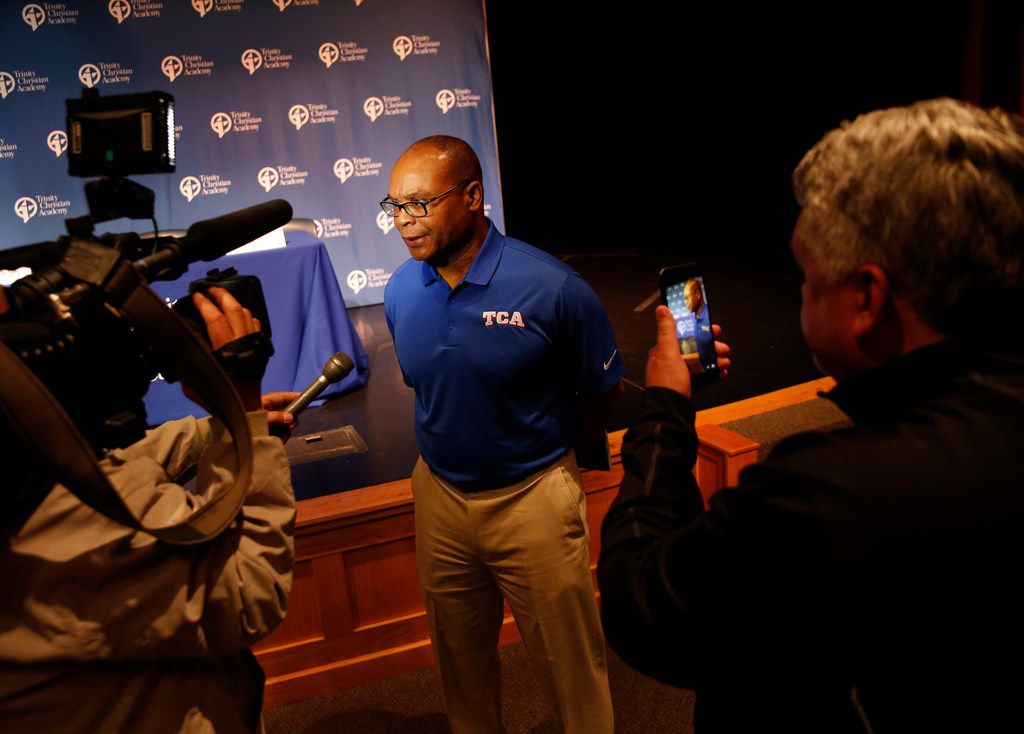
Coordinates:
x,y
932,193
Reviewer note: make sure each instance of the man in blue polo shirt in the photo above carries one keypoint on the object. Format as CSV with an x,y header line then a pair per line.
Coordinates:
x,y
693,294
513,362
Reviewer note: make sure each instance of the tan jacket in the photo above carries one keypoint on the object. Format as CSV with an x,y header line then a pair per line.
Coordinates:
x,y
106,629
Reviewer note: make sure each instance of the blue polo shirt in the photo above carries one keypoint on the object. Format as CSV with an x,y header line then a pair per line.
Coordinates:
x,y
695,331
704,336
498,363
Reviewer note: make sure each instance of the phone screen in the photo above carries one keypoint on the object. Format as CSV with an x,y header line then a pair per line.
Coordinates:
x,y
687,300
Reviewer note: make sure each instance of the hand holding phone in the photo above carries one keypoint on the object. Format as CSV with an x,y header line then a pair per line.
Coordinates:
x,y
684,291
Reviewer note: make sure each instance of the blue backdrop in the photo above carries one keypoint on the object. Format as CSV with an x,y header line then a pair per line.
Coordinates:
x,y
305,100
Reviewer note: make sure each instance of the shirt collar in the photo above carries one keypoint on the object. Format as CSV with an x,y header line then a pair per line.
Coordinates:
x,y
484,264
925,373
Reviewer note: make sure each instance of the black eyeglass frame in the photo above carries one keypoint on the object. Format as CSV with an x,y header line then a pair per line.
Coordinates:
x,y
388,202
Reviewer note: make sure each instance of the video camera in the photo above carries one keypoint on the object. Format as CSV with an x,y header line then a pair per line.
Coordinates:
x,y
69,320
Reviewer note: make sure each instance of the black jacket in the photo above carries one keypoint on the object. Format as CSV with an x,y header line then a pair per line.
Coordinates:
x,y
870,576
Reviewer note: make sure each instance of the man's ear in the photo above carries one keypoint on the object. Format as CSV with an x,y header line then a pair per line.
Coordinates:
x,y
871,283
475,195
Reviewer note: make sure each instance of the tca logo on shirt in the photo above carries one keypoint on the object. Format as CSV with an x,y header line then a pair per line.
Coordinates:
x,y
503,318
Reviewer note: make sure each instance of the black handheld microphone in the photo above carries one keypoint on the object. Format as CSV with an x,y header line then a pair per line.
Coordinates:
x,y
211,238
335,369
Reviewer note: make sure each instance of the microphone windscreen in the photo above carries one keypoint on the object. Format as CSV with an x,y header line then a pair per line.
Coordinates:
x,y
211,238
337,367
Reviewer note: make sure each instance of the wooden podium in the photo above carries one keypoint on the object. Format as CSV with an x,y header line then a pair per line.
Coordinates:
x,y
356,612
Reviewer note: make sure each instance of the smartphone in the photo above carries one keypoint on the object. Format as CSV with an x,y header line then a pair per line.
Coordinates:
x,y
685,293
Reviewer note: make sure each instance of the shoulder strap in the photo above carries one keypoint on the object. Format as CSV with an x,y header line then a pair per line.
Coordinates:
x,y
38,418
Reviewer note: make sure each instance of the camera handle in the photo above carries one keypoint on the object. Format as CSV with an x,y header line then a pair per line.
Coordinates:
x,y
37,417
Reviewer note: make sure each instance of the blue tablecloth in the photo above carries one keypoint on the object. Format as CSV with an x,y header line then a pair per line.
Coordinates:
x,y
307,316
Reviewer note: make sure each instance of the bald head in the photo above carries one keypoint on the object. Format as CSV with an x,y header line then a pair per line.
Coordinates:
x,y
457,158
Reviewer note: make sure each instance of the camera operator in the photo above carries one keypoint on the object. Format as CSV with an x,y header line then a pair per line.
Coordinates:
x,y
104,628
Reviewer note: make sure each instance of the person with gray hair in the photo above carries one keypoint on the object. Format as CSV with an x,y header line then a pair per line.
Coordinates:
x,y
863,579
931,193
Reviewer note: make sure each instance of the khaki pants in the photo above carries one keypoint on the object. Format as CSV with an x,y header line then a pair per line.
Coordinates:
x,y
528,544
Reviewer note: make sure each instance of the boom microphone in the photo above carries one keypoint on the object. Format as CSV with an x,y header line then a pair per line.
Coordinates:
x,y
335,369
211,238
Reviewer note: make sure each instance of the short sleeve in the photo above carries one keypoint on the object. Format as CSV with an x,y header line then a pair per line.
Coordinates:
x,y
591,353
390,297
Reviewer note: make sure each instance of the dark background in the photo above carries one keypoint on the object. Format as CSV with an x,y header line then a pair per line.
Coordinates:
x,y
643,123
636,136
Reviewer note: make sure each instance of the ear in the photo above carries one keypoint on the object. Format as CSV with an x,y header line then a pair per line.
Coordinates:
x,y
474,193
871,285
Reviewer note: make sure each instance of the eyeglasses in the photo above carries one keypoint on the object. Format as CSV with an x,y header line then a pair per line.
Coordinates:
x,y
416,207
